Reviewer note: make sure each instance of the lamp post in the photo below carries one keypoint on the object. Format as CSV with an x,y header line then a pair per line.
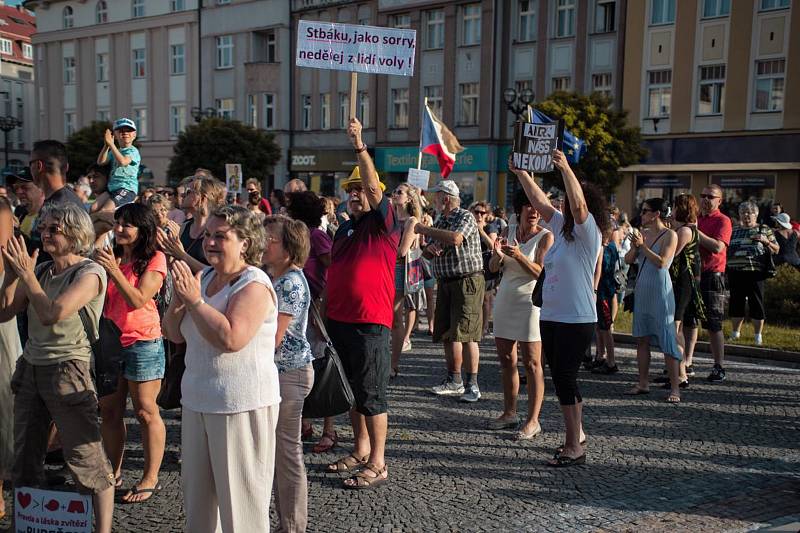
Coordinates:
x,y
518,102
8,124
198,113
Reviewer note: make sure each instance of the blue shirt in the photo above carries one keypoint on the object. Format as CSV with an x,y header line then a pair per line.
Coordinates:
x,y
126,177
294,298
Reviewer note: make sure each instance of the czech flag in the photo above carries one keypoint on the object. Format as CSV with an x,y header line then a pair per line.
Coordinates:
x,y
439,141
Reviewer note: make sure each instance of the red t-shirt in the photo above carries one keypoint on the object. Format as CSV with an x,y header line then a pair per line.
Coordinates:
x,y
717,226
361,275
141,324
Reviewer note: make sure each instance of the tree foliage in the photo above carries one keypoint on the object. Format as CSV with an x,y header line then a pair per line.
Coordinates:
x,y
83,147
215,141
611,143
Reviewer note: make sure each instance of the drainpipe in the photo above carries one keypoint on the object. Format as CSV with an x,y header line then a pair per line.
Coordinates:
x,y
291,95
200,54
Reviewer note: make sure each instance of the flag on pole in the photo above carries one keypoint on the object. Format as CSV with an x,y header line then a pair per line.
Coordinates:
x,y
573,147
439,141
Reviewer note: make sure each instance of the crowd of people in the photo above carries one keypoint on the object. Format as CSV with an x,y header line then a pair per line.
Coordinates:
x,y
98,297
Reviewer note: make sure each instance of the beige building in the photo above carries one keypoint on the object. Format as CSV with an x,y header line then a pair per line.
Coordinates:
x,y
713,85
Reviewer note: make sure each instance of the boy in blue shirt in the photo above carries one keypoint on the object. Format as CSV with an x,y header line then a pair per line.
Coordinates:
x,y
123,180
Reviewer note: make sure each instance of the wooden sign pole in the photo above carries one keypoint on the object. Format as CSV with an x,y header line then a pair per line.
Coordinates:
x,y
419,157
353,93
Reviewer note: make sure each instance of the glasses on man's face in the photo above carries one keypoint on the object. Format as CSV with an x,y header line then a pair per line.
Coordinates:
x,y
708,196
350,190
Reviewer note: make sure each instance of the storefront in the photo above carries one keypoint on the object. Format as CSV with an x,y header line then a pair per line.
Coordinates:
x,y
667,186
321,170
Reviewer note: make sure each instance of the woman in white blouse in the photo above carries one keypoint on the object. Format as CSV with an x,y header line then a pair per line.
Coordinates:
x,y
227,316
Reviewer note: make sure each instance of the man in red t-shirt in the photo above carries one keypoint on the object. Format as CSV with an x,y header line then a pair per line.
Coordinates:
x,y
714,232
359,309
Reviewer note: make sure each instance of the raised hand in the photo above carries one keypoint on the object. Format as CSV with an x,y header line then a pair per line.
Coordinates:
x,y
187,285
170,244
108,138
354,132
16,256
105,258
560,160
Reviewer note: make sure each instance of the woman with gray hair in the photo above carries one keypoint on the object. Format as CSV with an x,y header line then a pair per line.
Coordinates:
x,y
52,380
748,261
227,316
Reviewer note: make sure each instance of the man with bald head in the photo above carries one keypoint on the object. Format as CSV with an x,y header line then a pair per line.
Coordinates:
x,y
295,185
714,233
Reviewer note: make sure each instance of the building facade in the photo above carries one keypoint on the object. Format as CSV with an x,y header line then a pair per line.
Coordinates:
x,y
713,85
17,92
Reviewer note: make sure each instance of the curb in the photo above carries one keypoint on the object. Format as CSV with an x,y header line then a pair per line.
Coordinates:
x,y
768,354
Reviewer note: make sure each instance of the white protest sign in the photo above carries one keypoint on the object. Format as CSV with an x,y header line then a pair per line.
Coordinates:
x,y
50,510
419,178
533,146
355,48
233,177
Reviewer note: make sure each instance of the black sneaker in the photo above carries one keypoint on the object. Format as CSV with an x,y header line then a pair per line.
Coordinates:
x,y
605,369
717,374
690,371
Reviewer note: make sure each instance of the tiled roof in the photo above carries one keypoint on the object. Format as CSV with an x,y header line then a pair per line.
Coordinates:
x,y
17,25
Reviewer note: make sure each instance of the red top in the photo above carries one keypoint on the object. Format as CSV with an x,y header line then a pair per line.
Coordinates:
x,y
361,275
141,324
264,206
717,226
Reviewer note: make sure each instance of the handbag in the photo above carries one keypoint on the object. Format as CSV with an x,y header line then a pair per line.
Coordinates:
x,y
331,394
414,279
169,397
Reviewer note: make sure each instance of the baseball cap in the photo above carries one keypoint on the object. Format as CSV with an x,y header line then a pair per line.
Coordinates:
x,y
124,123
355,178
448,187
783,219
23,174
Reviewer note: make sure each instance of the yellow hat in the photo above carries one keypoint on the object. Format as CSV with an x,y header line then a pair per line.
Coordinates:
x,y
355,178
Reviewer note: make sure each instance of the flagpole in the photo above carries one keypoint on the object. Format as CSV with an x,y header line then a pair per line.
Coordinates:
x,y
419,156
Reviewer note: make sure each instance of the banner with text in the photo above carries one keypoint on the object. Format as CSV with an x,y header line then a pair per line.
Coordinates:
x,y
533,146
355,48
50,510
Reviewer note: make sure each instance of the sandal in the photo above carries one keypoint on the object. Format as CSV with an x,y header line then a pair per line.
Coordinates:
x,y
560,449
673,398
636,391
319,447
347,464
136,490
560,461
362,481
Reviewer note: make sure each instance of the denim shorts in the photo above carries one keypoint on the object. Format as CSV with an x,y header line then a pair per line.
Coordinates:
x,y
122,197
144,361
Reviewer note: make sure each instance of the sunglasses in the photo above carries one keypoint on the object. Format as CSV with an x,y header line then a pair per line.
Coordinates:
x,y
479,212
708,196
351,189
52,229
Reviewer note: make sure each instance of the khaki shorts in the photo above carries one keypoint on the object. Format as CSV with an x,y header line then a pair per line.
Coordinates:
x,y
459,309
64,393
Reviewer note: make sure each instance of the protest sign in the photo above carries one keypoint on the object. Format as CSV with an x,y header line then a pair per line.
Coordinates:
x,y
419,178
534,144
356,48
50,510
233,178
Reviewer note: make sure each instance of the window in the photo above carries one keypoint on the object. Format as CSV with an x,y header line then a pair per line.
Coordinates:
x,y
527,20
601,83
605,16
271,48
774,4
68,19
399,108
177,5
562,83
712,90
363,108
471,24
305,119
659,93
69,124
344,110
137,8
101,12
225,51
663,12
101,67
434,95
140,119
769,85
177,120
269,111
139,63
177,59
27,51
104,115
565,18
716,8
6,47
434,26
325,111
69,70
400,21
468,115
252,110
224,108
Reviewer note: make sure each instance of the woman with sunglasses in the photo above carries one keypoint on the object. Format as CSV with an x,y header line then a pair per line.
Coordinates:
x,y
488,236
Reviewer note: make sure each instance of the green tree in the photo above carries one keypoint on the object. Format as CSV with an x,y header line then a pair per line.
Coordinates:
x,y
215,141
83,147
611,143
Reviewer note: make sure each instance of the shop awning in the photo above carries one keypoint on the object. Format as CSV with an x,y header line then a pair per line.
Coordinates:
x,y
712,167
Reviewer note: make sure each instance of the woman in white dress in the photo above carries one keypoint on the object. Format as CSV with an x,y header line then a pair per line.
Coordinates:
x,y
516,321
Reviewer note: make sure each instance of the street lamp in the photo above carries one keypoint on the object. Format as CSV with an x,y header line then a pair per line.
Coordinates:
x,y
518,102
198,113
8,124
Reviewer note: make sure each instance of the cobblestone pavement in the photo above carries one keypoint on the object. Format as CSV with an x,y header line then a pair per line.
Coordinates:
x,y
726,459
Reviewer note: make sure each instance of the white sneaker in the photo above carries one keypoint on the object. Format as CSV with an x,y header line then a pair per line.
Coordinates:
x,y
759,340
734,336
448,388
471,395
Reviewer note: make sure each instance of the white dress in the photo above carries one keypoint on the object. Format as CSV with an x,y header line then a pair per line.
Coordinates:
x,y
515,316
